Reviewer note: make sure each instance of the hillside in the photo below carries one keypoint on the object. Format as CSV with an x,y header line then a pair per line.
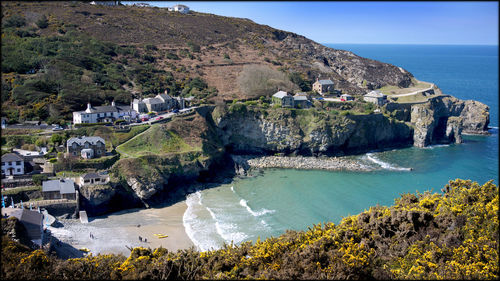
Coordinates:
x,y
58,55
453,235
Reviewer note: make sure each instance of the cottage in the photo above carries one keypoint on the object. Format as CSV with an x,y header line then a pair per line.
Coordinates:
x,y
300,100
103,114
375,97
106,3
93,178
31,220
323,86
78,146
283,98
346,97
161,102
180,8
59,189
12,165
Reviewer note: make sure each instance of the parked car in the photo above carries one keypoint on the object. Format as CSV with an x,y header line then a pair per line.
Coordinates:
x,y
58,128
175,111
159,118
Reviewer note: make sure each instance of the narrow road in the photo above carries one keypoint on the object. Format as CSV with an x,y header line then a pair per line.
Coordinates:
x,y
414,93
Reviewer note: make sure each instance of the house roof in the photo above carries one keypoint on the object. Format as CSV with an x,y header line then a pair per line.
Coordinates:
x,y
375,94
64,186
181,6
82,140
32,221
91,176
11,157
325,82
299,98
280,94
152,100
345,95
164,97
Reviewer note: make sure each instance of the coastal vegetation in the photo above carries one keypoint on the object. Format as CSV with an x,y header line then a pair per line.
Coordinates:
x,y
448,235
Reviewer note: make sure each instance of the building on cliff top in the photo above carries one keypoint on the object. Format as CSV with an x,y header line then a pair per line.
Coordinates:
x,y
183,9
323,86
283,98
93,178
375,97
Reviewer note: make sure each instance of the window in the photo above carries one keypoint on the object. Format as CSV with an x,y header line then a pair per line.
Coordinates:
x,y
10,163
18,162
74,153
18,170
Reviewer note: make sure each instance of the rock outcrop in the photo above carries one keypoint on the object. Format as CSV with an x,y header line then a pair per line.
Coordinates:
x,y
443,119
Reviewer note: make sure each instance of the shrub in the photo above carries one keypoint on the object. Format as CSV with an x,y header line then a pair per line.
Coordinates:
x,y
15,21
38,179
42,22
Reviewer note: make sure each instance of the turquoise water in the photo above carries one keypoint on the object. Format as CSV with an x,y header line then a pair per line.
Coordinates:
x,y
281,199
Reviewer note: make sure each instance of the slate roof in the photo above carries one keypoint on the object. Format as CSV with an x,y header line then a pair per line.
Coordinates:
x,y
31,220
280,94
64,186
91,176
152,100
11,157
325,82
299,98
82,140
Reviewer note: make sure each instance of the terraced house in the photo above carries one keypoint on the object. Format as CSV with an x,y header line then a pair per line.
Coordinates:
x,y
104,114
161,102
87,147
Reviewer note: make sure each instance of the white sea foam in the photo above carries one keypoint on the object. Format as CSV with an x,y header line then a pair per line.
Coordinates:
x,y
228,231
244,203
195,228
383,164
435,145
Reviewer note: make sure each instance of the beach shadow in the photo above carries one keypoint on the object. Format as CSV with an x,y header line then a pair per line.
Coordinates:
x,y
64,250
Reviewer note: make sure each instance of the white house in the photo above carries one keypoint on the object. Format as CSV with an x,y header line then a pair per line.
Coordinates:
x,y
93,178
12,164
104,114
180,8
375,97
161,102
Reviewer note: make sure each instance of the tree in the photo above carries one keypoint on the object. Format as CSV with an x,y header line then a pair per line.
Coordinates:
x,y
56,139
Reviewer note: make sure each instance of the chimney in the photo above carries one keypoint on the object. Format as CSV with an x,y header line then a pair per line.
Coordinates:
x,y
113,103
88,107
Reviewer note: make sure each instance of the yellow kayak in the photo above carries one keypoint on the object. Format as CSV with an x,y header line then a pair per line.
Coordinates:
x,y
86,250
161,236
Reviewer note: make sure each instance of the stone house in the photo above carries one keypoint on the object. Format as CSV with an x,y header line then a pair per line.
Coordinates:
x,y
74,146
93,178
161,102
59,189
323,86
12,165
375,97
283,98
300,100
31,220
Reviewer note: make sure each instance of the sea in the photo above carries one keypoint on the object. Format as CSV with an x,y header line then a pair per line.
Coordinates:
x,y
277,200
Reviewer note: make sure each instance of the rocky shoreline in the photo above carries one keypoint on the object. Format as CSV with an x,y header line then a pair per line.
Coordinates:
x,y
243,163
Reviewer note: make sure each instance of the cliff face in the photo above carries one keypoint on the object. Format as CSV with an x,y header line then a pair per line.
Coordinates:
x,y
285,131
443,119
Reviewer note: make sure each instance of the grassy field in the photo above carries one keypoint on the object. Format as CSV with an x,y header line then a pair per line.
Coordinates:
x,y
21,189
395,90
157,141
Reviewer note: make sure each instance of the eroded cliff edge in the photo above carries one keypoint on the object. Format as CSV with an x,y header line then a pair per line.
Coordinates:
x,y
222,130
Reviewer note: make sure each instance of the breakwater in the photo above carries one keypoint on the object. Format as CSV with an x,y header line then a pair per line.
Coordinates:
x,y
306,163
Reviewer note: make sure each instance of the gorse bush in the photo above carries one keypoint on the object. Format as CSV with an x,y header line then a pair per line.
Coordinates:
x,y
453,235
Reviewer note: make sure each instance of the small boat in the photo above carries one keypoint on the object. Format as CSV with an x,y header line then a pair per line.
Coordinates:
x,y
161,236
86,250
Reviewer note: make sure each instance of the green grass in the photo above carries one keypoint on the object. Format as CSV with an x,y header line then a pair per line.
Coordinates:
x,y
21,189
120,137
156,141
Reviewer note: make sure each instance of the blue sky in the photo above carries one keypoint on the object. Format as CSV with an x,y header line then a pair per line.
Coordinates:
x,y
367,22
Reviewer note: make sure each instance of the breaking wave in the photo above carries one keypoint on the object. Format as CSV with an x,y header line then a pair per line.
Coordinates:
x,y
385,165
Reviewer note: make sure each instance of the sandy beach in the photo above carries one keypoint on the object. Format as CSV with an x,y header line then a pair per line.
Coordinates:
x,y
115,232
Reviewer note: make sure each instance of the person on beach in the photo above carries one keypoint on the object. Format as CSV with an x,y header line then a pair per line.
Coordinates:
x,y
140,238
